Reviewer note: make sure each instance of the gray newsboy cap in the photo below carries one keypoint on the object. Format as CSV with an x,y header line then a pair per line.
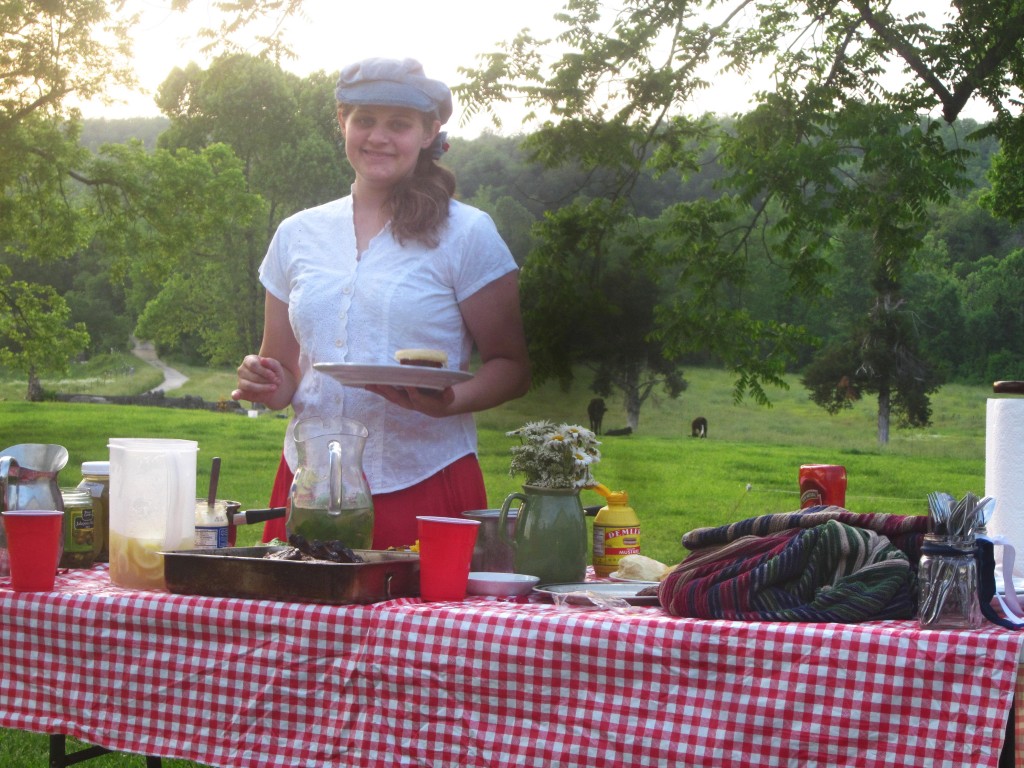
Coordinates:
x,y
393,83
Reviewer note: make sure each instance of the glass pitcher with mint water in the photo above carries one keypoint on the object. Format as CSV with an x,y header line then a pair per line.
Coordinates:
x,y
330,497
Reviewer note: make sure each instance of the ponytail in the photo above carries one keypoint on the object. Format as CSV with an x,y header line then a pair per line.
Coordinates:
x,y
419,204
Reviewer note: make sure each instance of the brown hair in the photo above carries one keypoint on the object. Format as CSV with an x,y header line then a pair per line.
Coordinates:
x,y
419,203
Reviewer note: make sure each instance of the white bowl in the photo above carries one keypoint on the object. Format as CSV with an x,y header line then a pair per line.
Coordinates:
x,y
500,584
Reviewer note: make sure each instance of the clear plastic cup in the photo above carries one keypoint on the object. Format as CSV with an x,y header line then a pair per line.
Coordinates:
x,y
33,545
446,549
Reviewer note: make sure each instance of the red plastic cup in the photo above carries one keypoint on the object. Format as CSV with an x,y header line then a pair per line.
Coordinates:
x,y
446,548
822,485
33,547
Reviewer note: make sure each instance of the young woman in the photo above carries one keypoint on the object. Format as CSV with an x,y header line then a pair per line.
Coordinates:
x,y
396,264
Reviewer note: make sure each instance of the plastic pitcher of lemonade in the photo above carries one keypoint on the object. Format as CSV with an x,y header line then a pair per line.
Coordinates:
x,y
152,507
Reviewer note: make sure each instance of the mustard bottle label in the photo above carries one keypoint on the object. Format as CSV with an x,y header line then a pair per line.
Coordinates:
x,y
611,544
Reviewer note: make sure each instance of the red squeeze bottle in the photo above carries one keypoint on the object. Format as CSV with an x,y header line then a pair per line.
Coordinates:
x,y
822,485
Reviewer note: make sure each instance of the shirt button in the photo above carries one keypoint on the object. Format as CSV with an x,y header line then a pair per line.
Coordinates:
x,y
347,289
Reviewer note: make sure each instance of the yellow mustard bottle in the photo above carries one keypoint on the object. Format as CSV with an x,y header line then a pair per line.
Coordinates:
x,y
616,531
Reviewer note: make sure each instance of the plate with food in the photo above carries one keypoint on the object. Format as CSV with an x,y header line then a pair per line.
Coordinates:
x,y
421,368
625,580
597,592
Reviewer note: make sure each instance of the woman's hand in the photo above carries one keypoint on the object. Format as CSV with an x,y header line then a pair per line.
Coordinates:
x,y
271,377
259,379
432,402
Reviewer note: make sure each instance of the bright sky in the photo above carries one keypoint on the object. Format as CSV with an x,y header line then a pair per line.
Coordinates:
x,y
442,35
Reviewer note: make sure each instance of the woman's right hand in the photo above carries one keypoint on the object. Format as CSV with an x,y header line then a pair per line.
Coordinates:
x,y
258,379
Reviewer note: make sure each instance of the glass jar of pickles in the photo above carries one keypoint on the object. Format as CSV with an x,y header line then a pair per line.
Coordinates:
x,y
80,542
96,480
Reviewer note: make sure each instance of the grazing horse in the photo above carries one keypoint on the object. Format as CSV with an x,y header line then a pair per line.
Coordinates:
x,y
596,411
699,427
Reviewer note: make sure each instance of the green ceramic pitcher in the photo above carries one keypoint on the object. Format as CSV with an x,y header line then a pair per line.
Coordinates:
x,y
550,539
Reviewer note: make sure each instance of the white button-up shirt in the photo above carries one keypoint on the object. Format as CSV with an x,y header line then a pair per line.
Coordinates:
x,y
347,307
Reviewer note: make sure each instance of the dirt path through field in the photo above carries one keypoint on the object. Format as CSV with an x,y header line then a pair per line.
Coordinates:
x,y
172,379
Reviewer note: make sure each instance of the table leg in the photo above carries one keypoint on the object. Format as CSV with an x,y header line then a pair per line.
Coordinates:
x,y
59,757
1016,747
1008,757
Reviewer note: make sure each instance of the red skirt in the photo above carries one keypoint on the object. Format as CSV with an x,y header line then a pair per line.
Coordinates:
x,y
457,488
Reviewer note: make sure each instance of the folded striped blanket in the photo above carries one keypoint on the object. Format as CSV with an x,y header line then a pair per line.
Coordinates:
x,y
819,564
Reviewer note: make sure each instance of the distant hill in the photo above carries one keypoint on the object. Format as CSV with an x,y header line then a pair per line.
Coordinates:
x,y
96,132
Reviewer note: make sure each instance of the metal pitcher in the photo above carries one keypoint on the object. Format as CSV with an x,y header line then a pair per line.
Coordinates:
x,y
28,480
492,551
330,496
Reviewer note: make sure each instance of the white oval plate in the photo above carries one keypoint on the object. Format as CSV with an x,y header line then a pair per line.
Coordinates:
x,y
645,582
359,375
627,592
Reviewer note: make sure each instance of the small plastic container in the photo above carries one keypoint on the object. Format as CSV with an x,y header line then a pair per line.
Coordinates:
x,y
948,584
211,524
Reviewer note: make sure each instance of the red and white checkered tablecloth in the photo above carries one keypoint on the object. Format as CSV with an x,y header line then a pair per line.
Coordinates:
x,y
246,683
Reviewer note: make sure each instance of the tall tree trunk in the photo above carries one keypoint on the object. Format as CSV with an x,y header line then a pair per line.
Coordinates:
x,y
633,401
35,387
884,407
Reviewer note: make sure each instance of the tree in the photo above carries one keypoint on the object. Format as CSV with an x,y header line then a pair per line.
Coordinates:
x,y
994,317
179,226
40,223
35,335
835,117
895,172
283,131
589,300
49,53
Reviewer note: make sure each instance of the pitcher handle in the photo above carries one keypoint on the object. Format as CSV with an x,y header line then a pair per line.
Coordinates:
x,y
334,500
503,517
9,467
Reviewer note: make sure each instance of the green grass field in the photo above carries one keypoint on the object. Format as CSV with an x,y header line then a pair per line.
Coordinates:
x,y
748,465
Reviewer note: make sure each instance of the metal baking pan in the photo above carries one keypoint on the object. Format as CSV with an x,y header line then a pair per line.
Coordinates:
x,y
245,572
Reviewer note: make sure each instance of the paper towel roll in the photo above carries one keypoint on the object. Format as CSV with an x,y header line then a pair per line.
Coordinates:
x,y
1004,478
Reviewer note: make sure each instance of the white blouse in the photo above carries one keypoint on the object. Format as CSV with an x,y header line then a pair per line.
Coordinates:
x,y
344,307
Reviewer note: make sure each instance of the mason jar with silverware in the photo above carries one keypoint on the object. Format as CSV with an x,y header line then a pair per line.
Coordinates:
x,y
948,571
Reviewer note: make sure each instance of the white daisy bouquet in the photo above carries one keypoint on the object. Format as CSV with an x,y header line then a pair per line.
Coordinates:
x,y
553,456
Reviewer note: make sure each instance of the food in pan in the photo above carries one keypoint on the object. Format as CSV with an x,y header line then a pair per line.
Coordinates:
x,y
303,549
427,358
414,547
